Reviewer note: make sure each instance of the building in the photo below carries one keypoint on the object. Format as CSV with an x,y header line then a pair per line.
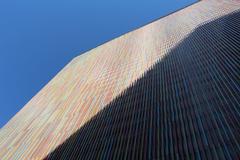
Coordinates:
x,y
168,90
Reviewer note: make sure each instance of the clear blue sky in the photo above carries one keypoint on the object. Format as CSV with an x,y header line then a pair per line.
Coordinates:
x,y
39,37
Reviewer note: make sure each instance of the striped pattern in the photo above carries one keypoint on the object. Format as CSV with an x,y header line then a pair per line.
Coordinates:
x,y
167,90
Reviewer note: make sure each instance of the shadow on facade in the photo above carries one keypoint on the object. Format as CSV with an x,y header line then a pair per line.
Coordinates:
x,y
186,106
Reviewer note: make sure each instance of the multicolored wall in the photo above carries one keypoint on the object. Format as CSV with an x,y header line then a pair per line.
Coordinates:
x,y
168,90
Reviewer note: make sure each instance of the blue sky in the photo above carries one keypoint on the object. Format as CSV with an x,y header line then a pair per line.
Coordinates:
x,y
38,38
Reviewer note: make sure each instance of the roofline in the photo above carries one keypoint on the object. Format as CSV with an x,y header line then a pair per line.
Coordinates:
x,y
136,28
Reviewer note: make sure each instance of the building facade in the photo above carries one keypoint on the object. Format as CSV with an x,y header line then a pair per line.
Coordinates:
x,y
168,90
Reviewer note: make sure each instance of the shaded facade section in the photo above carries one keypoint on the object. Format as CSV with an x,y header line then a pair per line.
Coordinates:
x,y
186,106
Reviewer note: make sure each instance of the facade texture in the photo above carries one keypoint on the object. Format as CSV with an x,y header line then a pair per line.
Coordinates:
x,y
169,90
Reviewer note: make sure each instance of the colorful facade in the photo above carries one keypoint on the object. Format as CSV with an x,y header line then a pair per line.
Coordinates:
x,y
168,90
